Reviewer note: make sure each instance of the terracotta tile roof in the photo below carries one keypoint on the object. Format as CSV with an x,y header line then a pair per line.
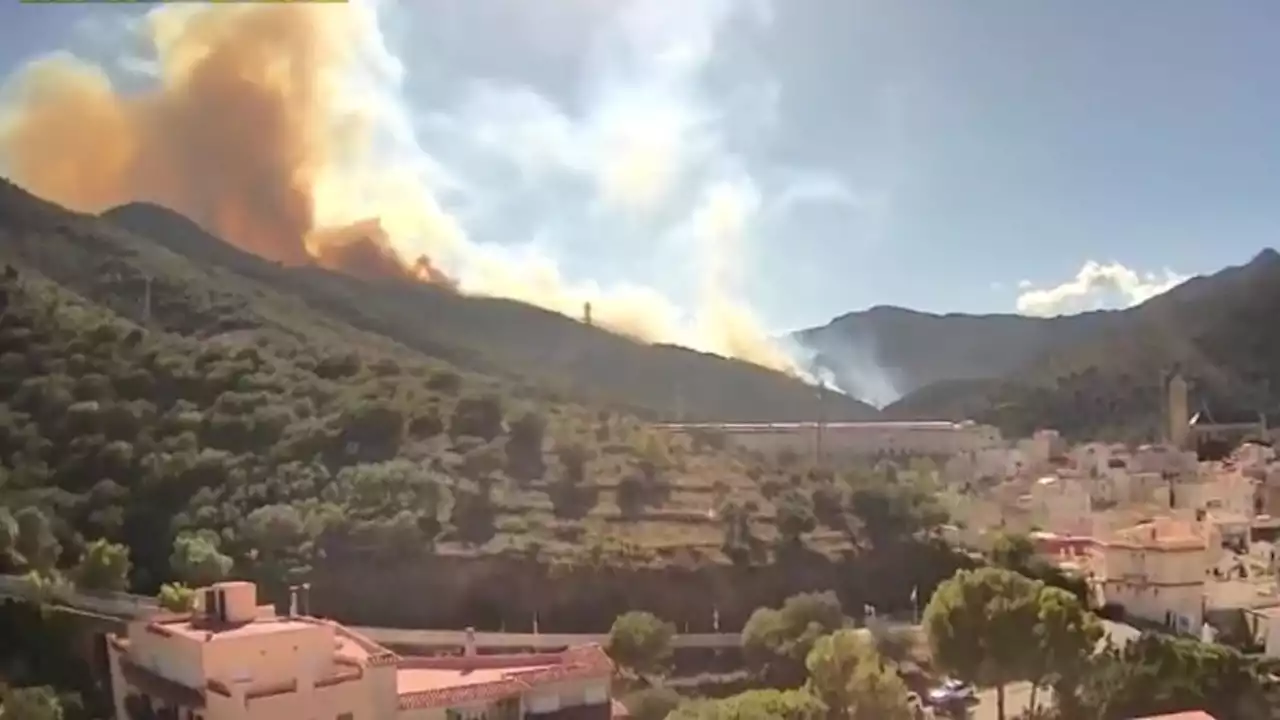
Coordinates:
x,y
462,695
1185,715
581,662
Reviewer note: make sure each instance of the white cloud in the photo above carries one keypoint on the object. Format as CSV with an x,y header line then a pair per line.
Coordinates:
x,y
1094,287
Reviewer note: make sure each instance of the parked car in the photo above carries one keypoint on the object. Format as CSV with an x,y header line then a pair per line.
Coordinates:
x,y
951,692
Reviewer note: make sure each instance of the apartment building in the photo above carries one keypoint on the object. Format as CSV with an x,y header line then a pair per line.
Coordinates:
x,y
232,659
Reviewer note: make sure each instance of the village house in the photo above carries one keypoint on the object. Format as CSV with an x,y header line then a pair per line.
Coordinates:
x,y
1060,505
1222,486
1156,571
232,659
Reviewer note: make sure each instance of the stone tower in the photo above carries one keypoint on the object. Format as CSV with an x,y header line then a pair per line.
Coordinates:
x,y
1178,412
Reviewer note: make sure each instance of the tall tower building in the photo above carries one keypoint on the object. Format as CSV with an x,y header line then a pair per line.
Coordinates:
x,y
1179,417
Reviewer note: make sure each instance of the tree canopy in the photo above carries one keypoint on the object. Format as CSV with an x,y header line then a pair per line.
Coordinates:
x,y
641,642
776,642
853,681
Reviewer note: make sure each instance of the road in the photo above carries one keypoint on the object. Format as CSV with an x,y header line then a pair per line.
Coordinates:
x,y
428,638
1017,699
126,606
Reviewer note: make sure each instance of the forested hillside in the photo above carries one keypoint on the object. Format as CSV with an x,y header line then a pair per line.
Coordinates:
x,y
505,337
207,423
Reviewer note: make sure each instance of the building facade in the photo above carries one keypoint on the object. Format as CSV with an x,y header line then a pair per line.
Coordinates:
x,y
1157,571
234,660
840,440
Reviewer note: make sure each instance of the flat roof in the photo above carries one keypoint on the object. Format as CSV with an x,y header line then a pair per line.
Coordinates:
x,y
870,425
205,630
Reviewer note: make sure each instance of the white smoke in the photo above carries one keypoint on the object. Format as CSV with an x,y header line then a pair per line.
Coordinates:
x,y
850,366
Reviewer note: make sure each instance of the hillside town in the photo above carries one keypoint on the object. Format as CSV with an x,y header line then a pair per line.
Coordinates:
x,y
1162,533
1165,539
639,360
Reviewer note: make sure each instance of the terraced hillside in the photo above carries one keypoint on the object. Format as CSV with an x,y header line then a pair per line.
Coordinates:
x,y
213,420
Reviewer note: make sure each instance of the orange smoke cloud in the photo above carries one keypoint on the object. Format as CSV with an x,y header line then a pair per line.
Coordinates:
x,y
234,135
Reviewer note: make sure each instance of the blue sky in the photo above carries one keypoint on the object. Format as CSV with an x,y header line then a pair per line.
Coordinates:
x,y
946,156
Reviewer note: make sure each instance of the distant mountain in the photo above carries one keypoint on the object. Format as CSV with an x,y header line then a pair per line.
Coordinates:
x,y
496,336
1094,374
887,352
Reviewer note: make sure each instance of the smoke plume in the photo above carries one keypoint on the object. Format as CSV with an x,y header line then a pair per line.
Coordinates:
x,y
268,124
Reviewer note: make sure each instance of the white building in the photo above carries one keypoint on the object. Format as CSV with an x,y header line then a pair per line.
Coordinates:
x,y
1156,571
1093,459
1039,448
836,440
235,660
1061,505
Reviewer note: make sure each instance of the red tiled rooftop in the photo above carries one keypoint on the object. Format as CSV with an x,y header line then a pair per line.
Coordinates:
x,y
436,682
1184,715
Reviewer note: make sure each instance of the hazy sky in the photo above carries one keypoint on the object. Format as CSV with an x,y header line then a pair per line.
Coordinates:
x,y
975,156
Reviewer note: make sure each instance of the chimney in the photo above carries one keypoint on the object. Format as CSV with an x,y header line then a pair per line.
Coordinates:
x,y
293,601
469,644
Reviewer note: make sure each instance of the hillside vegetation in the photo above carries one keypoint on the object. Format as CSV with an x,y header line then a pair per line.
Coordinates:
x,y
493,335
237,427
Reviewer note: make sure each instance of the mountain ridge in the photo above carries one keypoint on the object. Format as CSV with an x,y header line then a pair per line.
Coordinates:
x,y
500,335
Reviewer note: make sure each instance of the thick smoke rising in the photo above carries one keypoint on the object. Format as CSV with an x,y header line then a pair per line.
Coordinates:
x,y
261,122
235,135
